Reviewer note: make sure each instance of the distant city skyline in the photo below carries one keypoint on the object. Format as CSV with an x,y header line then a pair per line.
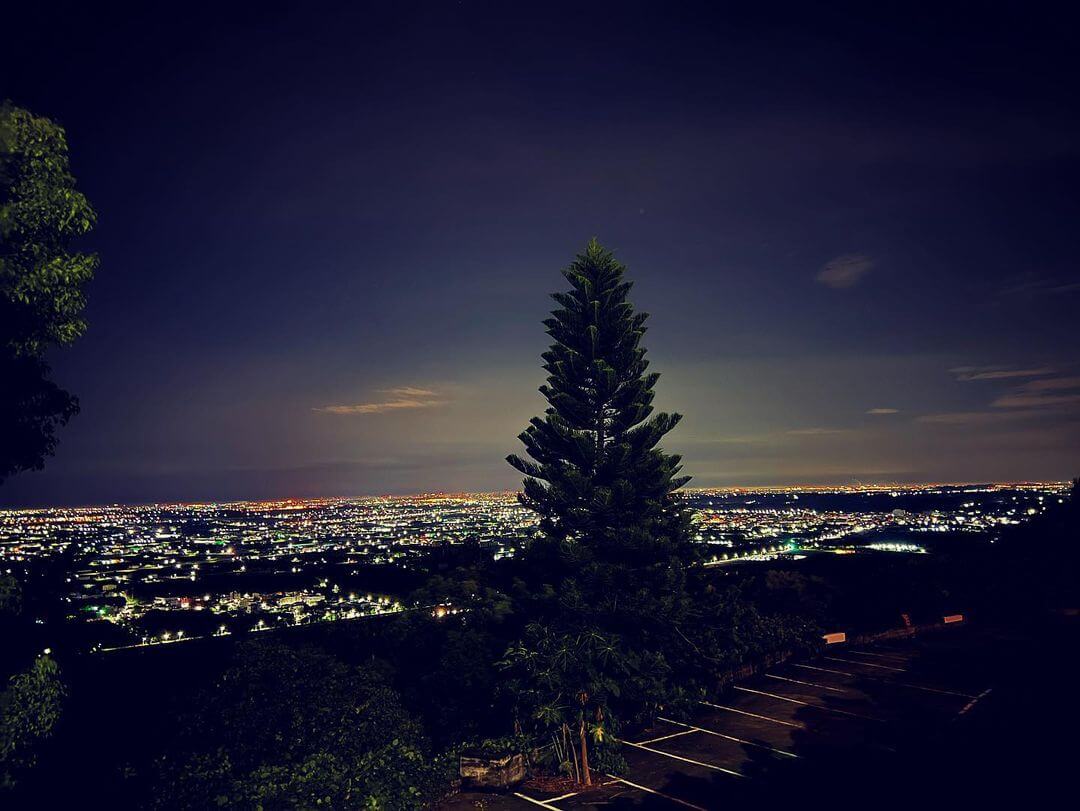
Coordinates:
x,y
327,240
161,574
688,492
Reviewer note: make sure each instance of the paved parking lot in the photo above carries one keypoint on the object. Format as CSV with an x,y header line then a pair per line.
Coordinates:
x,y
846,712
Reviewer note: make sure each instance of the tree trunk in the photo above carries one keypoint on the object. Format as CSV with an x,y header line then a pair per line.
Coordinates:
x,y
586,777
568,740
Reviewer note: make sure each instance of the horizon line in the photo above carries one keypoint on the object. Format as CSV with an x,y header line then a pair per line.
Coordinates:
x,y
430,494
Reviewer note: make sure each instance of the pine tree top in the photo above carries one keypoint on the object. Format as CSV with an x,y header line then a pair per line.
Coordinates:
x,y
596,468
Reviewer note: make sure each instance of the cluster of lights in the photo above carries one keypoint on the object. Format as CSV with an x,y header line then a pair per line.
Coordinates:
x,y
141,561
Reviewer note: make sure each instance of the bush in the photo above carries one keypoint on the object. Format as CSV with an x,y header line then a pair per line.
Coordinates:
x,y
296,728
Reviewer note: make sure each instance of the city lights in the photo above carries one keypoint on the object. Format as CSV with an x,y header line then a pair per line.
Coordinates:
x,y
283,564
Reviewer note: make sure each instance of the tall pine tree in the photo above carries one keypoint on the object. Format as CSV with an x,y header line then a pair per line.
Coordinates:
x,y
598,480
608,570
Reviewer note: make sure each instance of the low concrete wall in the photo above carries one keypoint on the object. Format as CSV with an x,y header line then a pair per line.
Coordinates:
x,y
905,633
729,677
492,773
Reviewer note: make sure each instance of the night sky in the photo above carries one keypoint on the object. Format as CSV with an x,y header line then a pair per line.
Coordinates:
x,y
328,231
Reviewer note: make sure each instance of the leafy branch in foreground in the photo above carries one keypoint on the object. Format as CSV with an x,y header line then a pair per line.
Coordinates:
x,y
29,710
41,283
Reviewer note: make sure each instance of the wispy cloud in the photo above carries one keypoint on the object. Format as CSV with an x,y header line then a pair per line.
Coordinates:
x,y
1042,393
969,373
877,411
977,417
845,271
747,439
817,431
403,398
1026,400
409,391
1052,384
1031,285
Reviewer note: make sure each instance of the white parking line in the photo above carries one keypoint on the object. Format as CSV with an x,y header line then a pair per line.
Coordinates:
x,y
566,796
691,728
712,766
754,715
974,700
828,670
864,664
808,704
657,793
940,690
665,737
807,683
893,656
540,803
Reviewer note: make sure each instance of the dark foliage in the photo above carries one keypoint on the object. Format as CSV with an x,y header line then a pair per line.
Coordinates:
x,y
31,690
607,573
32,408
288,727
41,283
621,625
1037,564
598,481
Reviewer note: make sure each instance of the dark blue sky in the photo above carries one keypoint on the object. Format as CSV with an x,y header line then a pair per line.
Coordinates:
x,y
328,232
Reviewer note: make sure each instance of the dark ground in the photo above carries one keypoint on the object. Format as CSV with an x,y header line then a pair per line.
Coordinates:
x,y
950,718
875,726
